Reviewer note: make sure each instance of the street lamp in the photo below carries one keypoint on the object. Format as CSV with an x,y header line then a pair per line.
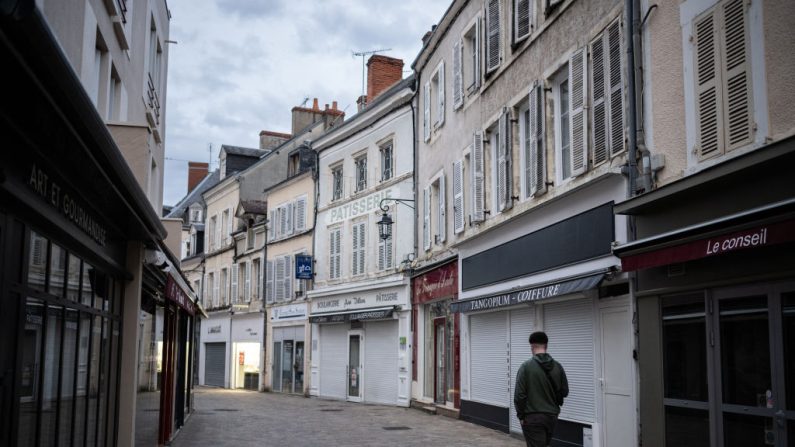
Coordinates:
x,y
385,224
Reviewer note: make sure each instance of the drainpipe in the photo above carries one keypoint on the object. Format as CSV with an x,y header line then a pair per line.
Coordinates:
x,y
629,8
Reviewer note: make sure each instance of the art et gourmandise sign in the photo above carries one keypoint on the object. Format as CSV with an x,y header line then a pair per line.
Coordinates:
x,y
441,282
175,293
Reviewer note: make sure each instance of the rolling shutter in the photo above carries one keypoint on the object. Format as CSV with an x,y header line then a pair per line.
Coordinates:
x,y
333,359
534,145
569,325
214,364
442,210
708,109
521,327
577,130
426,111
478,190
426,219
235,296
269,293
381,362
488,358
440,95
492,35
458,74
458,196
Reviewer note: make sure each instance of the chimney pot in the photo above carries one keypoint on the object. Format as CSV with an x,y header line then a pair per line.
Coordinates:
x,y
314,104
334,105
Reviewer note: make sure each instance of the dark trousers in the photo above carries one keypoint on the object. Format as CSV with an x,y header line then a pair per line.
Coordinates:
x,y
538,428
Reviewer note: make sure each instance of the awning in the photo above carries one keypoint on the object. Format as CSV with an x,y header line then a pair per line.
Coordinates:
x,y
528,295
355,315
177,291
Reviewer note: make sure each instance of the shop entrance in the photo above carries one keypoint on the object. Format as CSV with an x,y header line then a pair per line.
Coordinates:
x,y
439,382
288,366
355,355
246,365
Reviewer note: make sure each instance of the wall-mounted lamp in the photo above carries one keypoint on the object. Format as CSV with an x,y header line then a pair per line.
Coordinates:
x,y
385,224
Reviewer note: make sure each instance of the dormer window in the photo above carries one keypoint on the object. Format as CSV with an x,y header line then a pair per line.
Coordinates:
x,y
293,164
196,215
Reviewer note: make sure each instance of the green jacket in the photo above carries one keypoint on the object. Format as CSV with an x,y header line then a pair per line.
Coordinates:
x,y
534,393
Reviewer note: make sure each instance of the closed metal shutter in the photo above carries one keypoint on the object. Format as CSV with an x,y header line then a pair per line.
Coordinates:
x,y
333,358
380,362
214,364
522,324
569,326
488,364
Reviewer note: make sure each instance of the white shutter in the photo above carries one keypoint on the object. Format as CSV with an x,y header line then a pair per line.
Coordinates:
x,y
269,281
579,122
300,214
478,187
426,219
521,19
218,231
338,251
230,227
205,293
599,126
458,74
247,290
492,35
355,251
362,246
272,225
381,255
388,255
235,296
289,271
458,196
488,357
381,363
279,279
709,137
217,287
442,209
426,114
505,162
206,237
521,327
536,169
615,84
290,221
334,253
736,75
441,94
477,53
569,325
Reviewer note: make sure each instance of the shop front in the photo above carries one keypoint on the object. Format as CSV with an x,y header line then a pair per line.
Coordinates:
x,y
360,349
289,331
716,304
246,364
435,332
215,354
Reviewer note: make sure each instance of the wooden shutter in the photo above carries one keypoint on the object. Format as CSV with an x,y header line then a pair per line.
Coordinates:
x,y
708,109
362,246
269,282
736,75
290,221
492,35
458,196
426,113
337,250
458,75
355,251
536,153
247,290
521,19
477,53
234,292
506,144
230,227
426,219
271,225
289,275
205,294
442,230
599,126
279,279
216,286
478,186
440,94
577,115
614,73
300,214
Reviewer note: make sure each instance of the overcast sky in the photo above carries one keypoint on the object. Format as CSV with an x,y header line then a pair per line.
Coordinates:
x,y
240,66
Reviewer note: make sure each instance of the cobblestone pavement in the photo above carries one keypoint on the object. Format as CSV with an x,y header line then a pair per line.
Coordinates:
x,y
246,418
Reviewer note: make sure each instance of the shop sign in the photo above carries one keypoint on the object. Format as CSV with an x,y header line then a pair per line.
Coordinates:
x,y
438,283
761,236
527,295
214,329
69,206
303,267
356,207
355,316
359,301
292,311
175,293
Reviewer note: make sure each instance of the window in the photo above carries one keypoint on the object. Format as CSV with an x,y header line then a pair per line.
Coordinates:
x,y
522,19
336,182
155,55
250,238
278,280
114,95
213,231
426,219
426,111
531,137
225,223
437,87
361,173
440,193
299,214
359,240
386,161
492,35
471,57
335,258
607,129
195,214
293,164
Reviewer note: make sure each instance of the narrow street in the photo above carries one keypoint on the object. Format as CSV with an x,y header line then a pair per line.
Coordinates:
x,y
243,418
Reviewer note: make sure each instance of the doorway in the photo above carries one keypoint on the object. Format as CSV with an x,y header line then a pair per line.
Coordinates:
x,y
355,356
439,359
617,376
288,366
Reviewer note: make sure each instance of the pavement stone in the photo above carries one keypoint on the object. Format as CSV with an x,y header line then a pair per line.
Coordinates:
x,y
241,418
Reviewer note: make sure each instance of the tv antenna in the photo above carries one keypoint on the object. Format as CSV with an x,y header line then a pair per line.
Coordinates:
x,y
367,53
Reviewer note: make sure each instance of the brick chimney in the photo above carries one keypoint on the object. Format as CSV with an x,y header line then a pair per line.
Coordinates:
x,y
382,72
269,140
303,116
196,172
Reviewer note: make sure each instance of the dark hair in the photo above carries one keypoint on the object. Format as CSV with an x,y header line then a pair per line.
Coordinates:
x,y
538,338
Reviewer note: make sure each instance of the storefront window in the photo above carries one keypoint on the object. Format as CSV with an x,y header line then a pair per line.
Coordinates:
x,y
686,427
57,270
685,347
788,320
745,351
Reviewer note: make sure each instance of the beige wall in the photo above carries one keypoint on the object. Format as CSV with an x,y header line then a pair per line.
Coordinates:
x,y
222,197
174,235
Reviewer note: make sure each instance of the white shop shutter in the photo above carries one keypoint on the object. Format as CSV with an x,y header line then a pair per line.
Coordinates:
x,y
488,342
521,327
214,364
736,75
458,74
300,214
615,84
381,362
599,125
577,112
247,290
426,219
440,93
458,196
709,138
442,209
522,24
235,296
269,293
535,147
333,359
569,325
426,111
478,186
280,272
492,35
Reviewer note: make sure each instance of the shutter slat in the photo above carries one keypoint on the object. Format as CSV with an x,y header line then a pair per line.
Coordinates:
x,y
737,75
709,140
478,190
599,102
458,196
493,35
458,89
269,282
522,18
579,140
616,89
540,147
506,135
235,296
477,53
288,278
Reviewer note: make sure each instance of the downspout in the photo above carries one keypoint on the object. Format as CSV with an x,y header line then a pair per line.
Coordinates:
x,y
632,168
263,310
414,159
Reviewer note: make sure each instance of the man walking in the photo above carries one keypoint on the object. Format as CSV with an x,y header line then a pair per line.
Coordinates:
x,y
541,385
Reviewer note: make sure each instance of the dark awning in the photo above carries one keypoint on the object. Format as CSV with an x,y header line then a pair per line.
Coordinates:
x,y
356,315
530,294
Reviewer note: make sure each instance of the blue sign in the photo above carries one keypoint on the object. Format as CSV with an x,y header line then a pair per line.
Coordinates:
x,y
303,267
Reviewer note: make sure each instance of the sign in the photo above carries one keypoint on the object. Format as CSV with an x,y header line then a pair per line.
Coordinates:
x,y
389,296
303,267
761,236
175,293
214,329
527,295
289,312
241,358
379,314
438,283
356,207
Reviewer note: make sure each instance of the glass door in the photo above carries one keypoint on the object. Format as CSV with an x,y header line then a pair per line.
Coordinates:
x,y
276,381
439,385
287,366
298,368
354,368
